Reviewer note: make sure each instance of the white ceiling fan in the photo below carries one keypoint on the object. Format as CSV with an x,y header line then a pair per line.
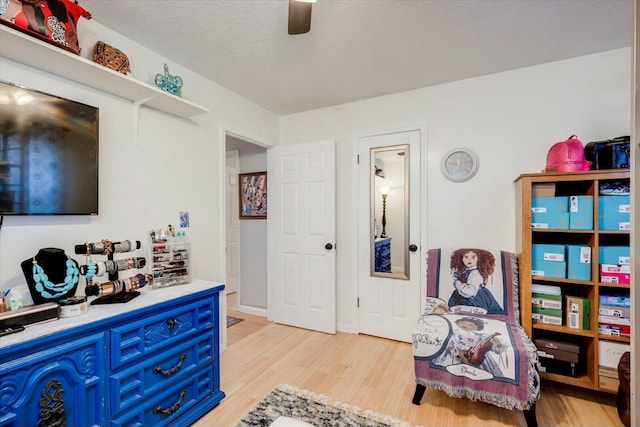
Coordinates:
x,y
300,16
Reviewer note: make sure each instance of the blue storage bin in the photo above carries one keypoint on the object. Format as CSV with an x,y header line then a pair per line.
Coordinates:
x,y
579,262
614,213
549,204
547,252
552,221
619,255
581,212
554,269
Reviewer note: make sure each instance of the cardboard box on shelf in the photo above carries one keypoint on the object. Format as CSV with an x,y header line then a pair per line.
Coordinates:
x,y
612,273
560,367
618,255
614,320
578,311
554,349
608,372
579,262
549,204
552,220
580,212
608,378
548,252
546,316
542,289
558,357
614,330
611,310
546,301
610,352
544,189
615,300
614,212
551,269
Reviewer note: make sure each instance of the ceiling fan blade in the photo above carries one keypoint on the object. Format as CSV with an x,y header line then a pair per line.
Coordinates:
x,y
299,17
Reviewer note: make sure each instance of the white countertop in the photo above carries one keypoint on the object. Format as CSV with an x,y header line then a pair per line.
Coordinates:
x,y
147,297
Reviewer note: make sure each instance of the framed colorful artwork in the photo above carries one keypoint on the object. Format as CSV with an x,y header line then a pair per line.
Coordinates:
x,y
253,195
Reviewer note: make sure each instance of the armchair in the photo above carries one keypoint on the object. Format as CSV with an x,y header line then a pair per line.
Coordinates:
x,y
469,341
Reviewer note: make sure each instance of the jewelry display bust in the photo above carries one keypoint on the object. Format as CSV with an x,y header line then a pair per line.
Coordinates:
x,y
51,275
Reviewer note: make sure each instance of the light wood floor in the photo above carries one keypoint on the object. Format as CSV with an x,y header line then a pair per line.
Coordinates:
x,y
372,373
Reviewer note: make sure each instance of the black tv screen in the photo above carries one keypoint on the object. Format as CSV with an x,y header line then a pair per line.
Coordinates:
x,y
48,154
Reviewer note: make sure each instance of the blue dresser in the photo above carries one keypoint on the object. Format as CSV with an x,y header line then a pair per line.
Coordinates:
x,y
382,254
152,361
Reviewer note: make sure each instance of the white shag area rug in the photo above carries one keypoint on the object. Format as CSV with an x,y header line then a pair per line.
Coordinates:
x,y
315,409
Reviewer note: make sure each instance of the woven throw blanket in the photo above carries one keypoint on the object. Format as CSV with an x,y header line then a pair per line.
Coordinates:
x,y
467,343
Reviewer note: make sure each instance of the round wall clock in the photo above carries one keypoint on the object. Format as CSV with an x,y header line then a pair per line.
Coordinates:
x,y
460,164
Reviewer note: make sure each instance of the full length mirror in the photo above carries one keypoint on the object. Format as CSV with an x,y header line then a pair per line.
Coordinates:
x,y
390,212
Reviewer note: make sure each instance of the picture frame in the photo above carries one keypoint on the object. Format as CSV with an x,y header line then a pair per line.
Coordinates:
x,y
252,197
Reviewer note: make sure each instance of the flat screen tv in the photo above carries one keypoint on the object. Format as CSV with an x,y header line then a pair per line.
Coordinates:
x,y
48,154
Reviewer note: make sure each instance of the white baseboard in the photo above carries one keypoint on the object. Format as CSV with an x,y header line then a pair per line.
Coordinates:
x,y
346,328
257,311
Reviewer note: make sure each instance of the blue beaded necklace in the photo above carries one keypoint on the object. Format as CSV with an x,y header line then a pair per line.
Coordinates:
x,y
59,289
92,270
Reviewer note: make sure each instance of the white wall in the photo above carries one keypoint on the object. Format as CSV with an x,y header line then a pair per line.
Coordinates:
x,y
509,119
176,165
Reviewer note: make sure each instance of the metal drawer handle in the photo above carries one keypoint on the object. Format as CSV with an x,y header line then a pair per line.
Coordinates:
x,y
173,408
158,369
172,323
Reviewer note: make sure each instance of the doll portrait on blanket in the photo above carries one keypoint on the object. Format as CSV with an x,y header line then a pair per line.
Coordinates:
x,y
469,344
471,271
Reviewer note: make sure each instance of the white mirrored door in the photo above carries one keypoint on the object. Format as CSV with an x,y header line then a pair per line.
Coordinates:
x,y
388,251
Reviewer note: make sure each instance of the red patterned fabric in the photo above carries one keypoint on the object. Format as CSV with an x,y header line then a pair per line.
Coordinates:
x,y
55,21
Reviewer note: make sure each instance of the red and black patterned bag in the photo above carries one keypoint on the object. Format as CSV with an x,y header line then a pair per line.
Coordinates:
x,y
54,21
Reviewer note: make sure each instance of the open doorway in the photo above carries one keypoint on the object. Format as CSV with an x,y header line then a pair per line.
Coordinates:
x,y
246,240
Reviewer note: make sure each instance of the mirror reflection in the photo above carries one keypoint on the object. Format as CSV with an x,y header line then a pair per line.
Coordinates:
x,y
389,211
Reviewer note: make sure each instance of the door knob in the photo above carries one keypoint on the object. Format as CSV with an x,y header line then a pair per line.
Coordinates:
x,y
413,248
328,246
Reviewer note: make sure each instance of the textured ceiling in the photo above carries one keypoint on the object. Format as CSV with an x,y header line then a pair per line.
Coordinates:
x,y
359,49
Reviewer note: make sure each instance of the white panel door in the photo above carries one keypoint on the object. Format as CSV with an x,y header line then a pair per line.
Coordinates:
x,y
388,307
233,222
301,230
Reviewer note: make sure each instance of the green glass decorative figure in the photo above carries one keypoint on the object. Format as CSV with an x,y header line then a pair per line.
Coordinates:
x,y
169,83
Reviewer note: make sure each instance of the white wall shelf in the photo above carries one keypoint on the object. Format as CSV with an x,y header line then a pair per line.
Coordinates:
x,y
35,53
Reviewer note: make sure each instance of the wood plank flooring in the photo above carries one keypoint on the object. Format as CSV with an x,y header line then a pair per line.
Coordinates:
x,y
372,373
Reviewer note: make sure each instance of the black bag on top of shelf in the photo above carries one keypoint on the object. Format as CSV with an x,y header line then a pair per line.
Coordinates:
x,y
609,154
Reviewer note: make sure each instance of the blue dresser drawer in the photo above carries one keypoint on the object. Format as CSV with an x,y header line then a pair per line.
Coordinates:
x,y
66,376
132,341
169,404
145,378
152,362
